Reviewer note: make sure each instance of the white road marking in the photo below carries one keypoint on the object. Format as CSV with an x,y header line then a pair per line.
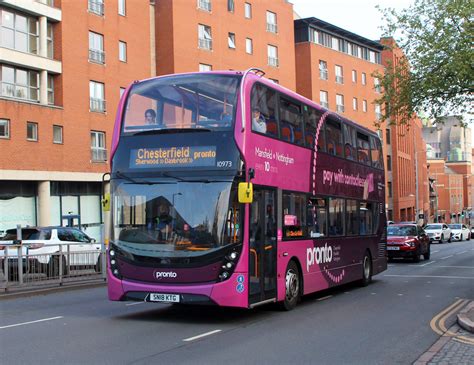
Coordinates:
x,y
428,263
460,253
324,298
31,322
435,251
447,257
432,276
458,267
201,336
130,304
400,295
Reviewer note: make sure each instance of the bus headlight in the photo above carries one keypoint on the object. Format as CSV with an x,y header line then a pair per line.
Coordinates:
x,y
228,265
113,264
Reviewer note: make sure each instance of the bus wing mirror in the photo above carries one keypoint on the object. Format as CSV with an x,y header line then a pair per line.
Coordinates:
x,y
245,192
106,202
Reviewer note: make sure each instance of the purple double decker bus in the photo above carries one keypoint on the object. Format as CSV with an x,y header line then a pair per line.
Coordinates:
x,y
228,189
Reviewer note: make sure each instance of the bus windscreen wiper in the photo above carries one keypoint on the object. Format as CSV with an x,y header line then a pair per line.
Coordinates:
x,y
205,181
171,130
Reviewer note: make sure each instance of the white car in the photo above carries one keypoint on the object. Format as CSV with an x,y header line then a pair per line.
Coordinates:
x,y
460,232
42,247
438,232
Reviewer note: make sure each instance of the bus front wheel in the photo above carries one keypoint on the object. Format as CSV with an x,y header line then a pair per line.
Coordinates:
x,y
292,286
366,269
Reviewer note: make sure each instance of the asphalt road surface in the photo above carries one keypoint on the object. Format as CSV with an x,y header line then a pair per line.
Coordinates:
x,y
387,322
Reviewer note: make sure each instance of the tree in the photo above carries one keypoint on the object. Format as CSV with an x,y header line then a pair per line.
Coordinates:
x,y
437,76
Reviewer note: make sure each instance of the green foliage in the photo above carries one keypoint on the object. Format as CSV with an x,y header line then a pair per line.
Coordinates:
x,y
436,78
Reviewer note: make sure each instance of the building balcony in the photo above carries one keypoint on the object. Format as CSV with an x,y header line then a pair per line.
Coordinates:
x,y
340,108
204,5
30,61
273,61
272,28
36,8
98,154
97,56
96,7
324,104
323,74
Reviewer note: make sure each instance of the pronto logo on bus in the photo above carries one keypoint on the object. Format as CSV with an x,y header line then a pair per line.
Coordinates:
x,y
318,255
185,156
165,274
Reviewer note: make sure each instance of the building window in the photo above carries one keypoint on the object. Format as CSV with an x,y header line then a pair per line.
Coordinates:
x,y
230,6
272,22
272,53
121,7
122,51
231,40
323,99
97,101
340,103
50,90
57,134
354,103
274,81
248,10
19,83
122,90
205,5
389,163
98,150
354,76
378,112
387,135
364,78
96,6
204,68
4,128
32,131
377,87
339,74
49,40
205,37
96,48
19,32
323,70
248,45
389,188
364,106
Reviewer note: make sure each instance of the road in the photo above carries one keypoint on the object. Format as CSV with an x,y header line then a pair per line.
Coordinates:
x,y
386,322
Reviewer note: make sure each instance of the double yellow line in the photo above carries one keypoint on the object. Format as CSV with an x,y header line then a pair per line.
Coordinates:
x,y
438,323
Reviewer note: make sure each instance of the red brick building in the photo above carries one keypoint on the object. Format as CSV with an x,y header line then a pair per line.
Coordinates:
x,y
63,64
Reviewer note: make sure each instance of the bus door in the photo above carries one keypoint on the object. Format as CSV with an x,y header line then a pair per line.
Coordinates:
x,y
262,255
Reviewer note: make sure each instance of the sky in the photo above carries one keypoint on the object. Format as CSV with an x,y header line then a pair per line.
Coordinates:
x,y
357,16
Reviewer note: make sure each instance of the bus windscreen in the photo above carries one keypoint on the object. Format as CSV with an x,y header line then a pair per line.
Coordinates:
x,y
182,102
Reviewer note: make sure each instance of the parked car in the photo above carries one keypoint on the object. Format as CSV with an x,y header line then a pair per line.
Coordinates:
x,y
472,231
408,241
41,248
460,232
438,232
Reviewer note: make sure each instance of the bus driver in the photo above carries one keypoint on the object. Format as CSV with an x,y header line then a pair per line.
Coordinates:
x,y
258,121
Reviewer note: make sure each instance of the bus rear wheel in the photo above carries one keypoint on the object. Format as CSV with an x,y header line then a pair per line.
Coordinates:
x,y
292,286
366,270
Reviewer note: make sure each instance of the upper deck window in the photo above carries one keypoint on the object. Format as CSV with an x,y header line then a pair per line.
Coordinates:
x,y
196,101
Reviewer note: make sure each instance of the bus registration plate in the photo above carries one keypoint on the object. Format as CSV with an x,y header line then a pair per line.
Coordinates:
x,y
166,298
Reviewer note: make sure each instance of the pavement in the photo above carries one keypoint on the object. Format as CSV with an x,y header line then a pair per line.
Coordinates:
x,y
456,345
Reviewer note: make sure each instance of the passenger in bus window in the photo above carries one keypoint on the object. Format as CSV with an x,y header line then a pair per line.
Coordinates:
x,y
226,118
258,121
150,116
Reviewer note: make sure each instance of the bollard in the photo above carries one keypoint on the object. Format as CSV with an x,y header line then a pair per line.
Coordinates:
x,y
60,265
103,256
20,254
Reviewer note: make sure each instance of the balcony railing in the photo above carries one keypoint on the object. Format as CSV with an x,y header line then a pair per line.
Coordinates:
x,y
204,5
339,79
98,154
324,104
19,91
97,56
323,74
204,43
97,105
273,61
96,7
272,28
340,108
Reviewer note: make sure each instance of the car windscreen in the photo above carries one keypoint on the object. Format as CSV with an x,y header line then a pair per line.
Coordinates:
x,y
433,226
455,226
401,231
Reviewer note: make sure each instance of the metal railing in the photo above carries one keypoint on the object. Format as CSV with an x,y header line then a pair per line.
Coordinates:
x,y
323,74
67,264
204,43
273,61
340,108
96,7
98,154
97,105
339,79
96,55
272,28
204,5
